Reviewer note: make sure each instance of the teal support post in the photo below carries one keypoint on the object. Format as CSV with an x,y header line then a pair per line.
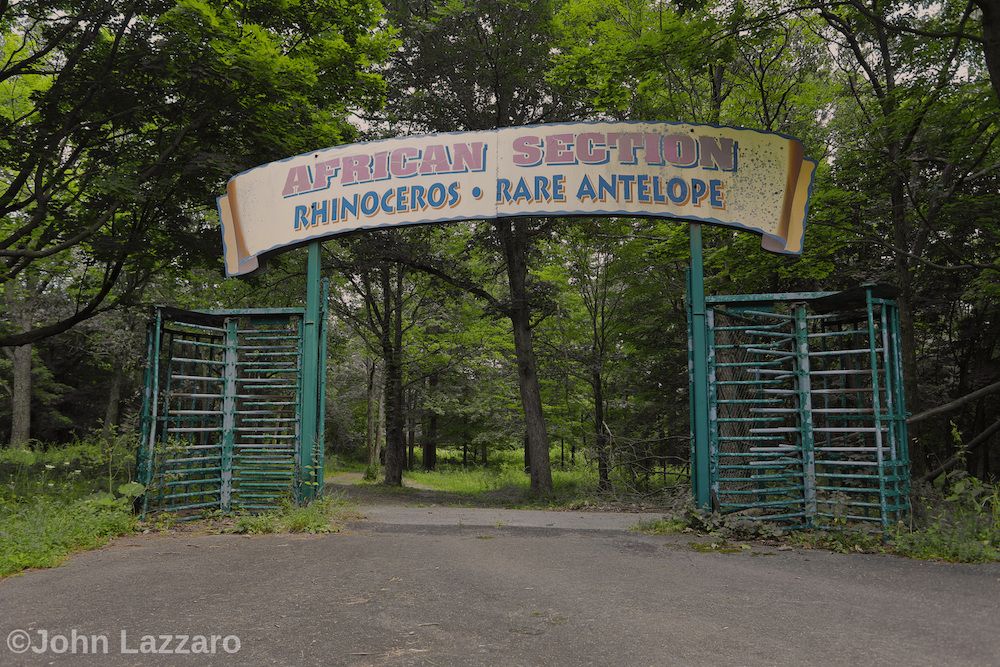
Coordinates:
x,y
803,386
229,415
153,398
700,475
310,373
321,420
880,449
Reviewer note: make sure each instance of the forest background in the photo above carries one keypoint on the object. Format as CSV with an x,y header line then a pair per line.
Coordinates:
x,y
120,122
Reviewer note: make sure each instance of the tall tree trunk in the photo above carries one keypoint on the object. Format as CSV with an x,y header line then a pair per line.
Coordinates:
x,y
527,454
600,433
19,307
373,415
904,301
411,428
380,429
514,240
392,351
20,415
430,436
991,40
114,398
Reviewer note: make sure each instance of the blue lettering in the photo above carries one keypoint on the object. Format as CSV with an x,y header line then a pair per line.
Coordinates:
x,y
320,212
301,222
677,190
436,194
642,188
369,203
559,187
716,194
699,189
349,206
503,190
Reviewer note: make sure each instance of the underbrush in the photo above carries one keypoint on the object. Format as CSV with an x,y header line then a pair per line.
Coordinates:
x,y
44,531
336,464
326,515
76,470
55,501
956,521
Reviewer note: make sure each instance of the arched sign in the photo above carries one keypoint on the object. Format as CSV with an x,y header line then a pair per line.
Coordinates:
x,y
748,179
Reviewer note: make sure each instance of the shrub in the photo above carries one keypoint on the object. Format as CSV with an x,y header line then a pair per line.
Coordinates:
x,y
963,527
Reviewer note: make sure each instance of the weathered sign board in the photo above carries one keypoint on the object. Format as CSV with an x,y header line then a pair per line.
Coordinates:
x,y
735,177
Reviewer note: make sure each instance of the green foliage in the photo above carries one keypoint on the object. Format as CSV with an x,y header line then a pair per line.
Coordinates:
x,y
44,531
843,540
665,526
326,515
264,523
131,490
124,122
337,463
720,547
964,527
75,470
57,500
507,477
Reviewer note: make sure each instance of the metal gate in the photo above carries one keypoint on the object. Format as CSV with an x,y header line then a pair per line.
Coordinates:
x,y
223,410
807,421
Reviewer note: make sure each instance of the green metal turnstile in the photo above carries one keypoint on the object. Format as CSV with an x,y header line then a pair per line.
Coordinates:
x,y
806,410
223,410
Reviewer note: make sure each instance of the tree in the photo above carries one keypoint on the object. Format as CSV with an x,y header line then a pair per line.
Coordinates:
x,y
130,116
476,66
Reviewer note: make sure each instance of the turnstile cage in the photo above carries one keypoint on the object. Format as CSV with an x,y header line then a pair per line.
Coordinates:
x,y
807,419
222,413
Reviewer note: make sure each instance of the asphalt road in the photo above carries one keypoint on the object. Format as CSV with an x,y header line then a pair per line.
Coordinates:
x,y
547,588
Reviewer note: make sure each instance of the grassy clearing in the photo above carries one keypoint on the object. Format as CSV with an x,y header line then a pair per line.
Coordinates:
x,y
338,464
326,515
504,483
505,477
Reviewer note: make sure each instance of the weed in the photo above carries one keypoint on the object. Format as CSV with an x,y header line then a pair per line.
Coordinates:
x,y
722,547
962,527
256,524
43,532
663,526
326,515
54,501
843,541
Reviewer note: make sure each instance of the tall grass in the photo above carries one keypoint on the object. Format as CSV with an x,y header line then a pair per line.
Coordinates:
x,y
326,515
508,476
44,532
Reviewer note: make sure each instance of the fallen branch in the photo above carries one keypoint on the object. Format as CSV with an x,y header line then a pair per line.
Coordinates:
x,y
975,442
957,403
